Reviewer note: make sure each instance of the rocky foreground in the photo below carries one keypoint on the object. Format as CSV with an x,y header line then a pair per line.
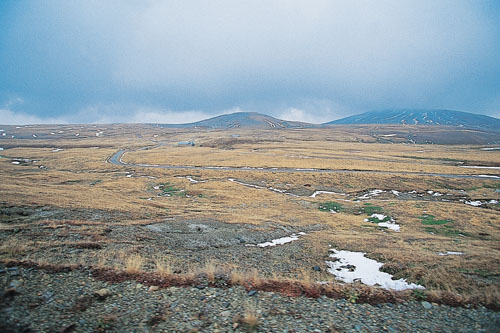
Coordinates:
x,y
35,300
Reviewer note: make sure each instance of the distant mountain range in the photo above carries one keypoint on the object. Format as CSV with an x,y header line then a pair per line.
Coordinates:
x,y
395,116
423,117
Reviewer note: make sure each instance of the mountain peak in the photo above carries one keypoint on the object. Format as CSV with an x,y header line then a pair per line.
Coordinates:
x,y
438,117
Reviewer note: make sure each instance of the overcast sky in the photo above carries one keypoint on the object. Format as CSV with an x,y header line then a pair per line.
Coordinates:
x,y
182,61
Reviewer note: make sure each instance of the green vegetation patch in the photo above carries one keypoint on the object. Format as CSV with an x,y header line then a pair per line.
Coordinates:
x,y
376,220
95,182
330,206
431,220
369,209
169,190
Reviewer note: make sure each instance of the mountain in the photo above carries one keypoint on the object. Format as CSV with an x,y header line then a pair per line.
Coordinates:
x,y
424,117
242,120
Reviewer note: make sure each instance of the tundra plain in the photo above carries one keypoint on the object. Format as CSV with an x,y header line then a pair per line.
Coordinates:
x,y
69,200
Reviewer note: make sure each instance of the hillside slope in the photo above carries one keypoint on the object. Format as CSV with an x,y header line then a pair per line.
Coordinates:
x,y
423,117
242,120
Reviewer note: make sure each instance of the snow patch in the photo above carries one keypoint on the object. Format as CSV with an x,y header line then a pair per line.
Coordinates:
x,y
386,224
479,167
450,253
282,240
372,193
324,192
354,266
245,184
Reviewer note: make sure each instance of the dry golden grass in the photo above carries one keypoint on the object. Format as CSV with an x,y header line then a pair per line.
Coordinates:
x,y
250,317
13,247
210,269
78,178
164,266
133,263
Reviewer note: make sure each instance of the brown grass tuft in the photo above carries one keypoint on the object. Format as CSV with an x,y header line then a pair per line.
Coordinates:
x,y
133,263
164,266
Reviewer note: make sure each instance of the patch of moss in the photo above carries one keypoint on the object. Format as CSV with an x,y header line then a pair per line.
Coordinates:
x,y
369,209
330,206
431,220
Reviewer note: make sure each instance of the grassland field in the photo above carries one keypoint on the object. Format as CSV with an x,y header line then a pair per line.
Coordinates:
x,y
63,203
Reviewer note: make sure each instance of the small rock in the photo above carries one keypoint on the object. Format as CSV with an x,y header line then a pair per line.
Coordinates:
x,y
252,292
139,286
427,305
15,284
200,287
316,268
226,313
103,293
154,288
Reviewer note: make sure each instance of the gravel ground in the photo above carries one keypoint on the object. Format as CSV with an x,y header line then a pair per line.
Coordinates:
x,y
37,301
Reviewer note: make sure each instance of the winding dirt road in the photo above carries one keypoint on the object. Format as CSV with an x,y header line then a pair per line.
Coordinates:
x,y
116,159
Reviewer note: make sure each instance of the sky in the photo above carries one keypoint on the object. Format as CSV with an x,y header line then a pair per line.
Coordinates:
x,y
93,61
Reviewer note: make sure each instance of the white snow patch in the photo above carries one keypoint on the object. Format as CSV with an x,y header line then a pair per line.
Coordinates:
x,y
387,224
244,184
390,225
372,193
1,148
56,150
282,240
388,135
324,192
491,148
192,180
474,203
479,167
16,162
448,253
396,193
489,176
4,134
365,270
380,217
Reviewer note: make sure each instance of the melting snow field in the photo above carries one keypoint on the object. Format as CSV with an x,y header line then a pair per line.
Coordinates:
x,y
354,266
479,203
387,224
448,253
282,240
370,194
479,167
324,192
192,180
